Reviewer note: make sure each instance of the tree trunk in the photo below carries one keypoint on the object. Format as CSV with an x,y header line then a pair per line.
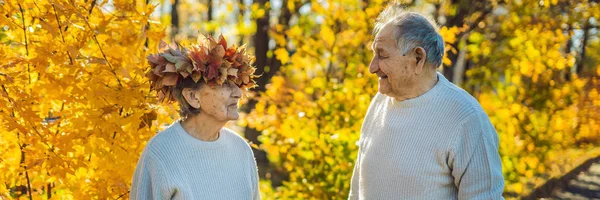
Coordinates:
x,y
459,66
567,74
268,68
465,8
147,28
174,19
242,10
210,10
580,65
261,47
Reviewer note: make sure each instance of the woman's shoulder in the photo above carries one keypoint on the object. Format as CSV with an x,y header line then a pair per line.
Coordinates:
x,y
164,139
234,138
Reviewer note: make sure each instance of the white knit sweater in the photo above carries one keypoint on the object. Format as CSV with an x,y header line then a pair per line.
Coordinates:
x,y
175,165
440,145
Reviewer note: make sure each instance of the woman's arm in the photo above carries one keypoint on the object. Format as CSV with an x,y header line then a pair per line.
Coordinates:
x,y
149,181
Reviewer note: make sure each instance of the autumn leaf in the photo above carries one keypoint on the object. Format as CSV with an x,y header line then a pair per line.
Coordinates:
x,y
170,68
282,55
170,79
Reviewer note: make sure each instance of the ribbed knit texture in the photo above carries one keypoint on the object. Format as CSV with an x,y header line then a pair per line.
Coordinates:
x,y
440,145
175,165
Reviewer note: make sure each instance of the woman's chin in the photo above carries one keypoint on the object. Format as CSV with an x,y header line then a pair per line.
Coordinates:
x,y
233,115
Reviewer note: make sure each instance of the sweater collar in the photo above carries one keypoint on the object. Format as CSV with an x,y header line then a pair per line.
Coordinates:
x,y
220,142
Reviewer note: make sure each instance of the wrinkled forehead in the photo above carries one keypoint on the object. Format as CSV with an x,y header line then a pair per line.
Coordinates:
x,y
385,38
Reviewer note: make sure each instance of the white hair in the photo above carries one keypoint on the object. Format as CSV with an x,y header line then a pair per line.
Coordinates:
x,y
413,30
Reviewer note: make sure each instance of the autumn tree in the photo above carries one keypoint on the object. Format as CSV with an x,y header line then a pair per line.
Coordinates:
x,y
76,110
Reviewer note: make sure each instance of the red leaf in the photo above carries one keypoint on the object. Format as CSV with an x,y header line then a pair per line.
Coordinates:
x,y
230,54
199,67
213,71
222,41
158,70
156,59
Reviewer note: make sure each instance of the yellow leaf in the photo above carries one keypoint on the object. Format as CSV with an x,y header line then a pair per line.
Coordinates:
x,y
282,55
327,35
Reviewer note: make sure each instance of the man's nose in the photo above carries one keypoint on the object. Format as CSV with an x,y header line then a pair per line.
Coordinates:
x,y
374,66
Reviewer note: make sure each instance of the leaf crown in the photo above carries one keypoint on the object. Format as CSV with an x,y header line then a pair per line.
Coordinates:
x,y
210,61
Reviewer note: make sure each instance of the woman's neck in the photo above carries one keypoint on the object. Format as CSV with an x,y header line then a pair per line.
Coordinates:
x,y
202,127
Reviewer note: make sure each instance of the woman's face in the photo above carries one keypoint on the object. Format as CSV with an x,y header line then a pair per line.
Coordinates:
x,y
220,102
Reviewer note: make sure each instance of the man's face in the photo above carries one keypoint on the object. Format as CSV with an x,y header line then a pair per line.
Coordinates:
x,y
396,72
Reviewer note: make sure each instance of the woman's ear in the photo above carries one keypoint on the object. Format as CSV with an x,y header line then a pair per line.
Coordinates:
x,y
421,57
190,96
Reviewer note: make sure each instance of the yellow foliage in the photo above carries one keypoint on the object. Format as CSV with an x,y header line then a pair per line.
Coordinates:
x,y
318,101
74,97
539,108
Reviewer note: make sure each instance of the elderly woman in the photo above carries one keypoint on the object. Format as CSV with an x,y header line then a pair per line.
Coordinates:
x,y
196,157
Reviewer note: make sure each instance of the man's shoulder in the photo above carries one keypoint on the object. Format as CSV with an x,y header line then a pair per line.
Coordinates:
x,y
460,102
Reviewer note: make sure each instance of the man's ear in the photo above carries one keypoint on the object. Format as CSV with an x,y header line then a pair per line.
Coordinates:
x,y
421,58
190,97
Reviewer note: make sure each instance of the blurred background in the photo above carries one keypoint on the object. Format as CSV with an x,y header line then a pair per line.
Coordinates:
x,y
76,111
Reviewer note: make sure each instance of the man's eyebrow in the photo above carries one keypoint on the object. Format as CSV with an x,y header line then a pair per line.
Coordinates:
x,y
378,49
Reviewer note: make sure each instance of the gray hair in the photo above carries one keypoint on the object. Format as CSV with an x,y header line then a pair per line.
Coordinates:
x,y
185,109
413,30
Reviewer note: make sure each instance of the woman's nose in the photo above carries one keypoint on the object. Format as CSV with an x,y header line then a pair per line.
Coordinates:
x,y
237,92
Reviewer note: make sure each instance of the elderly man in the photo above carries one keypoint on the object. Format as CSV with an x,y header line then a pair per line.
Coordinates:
x,y
422,137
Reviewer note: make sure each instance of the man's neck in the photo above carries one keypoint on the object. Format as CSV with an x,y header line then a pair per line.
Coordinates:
x,y
424,83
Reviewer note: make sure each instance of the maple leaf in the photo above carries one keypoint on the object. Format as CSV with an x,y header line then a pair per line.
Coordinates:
x,y
213,71
170,68
170,79
222,41
196,76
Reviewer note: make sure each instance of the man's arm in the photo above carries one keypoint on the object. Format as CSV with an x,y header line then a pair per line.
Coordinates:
x,y
354,183
475,161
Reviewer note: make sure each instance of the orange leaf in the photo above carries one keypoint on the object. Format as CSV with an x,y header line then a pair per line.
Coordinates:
x,y
170,79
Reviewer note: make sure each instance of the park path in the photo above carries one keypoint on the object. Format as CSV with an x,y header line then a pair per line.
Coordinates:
x,y
586,185
581,183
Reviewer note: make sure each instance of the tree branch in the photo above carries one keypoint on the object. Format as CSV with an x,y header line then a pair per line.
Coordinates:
x,y
26,45
91,7
28,183
122,195
579,67
21,147
61,32
480,18
112,69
